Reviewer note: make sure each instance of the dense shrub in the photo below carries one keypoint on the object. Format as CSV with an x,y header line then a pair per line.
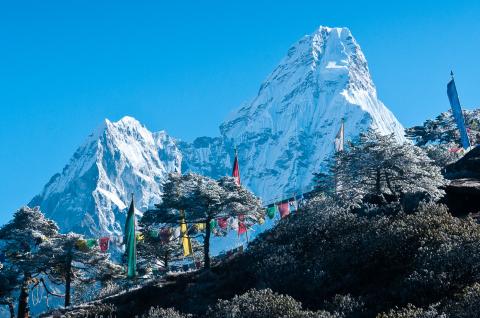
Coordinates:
x,y
466,304
386,260
328,261
260,304
411,311
157,312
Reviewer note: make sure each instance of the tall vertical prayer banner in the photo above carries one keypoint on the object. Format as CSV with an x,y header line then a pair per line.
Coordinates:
x,y
187,245
131,242
340,138
457,113
236,169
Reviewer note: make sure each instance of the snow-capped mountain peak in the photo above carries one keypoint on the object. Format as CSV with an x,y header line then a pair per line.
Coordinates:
x,y
287,131
283,135
117,160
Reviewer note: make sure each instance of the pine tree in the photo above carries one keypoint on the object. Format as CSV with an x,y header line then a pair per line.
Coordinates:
x,y
378,165
325,181
443,129
9,280
37,255
159,245
71,261
22,239
203,200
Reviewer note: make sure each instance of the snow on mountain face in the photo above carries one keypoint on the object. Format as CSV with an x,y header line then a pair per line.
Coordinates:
x,y
288,130
283,135
91,194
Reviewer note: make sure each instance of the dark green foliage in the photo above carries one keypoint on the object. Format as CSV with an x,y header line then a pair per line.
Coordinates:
x,y
386,260
329,261
203,199
158,312
380,166
443,129
260,304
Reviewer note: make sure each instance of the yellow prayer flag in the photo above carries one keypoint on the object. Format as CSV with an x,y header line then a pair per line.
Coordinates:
x,y
187,246
139,237
81,245
201,226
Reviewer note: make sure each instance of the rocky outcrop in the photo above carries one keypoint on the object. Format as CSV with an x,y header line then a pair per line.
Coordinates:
x,y
463,192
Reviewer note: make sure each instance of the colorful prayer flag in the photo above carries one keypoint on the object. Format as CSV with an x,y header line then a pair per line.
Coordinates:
x,y
236,169
271,210
130,242
293,205
200,226
177,233
81,245
153,233
340,138
233,223
187,245
165,235
242,228
222,223
284,209
139,237
104,243
457,112
213,225
91,243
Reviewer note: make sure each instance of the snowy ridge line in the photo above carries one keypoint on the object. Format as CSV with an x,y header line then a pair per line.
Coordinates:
x,y
282,135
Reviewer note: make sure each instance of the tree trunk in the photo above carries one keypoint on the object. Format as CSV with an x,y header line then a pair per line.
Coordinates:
x,y
378,187
23,311
206,245
389,185
165,260
11,309
68,278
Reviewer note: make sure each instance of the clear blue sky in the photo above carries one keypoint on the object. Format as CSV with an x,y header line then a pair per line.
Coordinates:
x,y
66,65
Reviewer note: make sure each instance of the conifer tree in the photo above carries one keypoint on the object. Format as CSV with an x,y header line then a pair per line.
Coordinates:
x,y
37,255
159,245
72,261
22,238
379,165
203,200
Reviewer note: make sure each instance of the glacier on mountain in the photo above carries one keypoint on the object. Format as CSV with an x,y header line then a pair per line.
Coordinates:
x,y
283,135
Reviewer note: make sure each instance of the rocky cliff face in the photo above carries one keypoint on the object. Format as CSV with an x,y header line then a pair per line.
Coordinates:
x,y
283,135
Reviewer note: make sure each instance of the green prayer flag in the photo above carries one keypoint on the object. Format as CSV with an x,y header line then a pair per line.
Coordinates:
x,y
91,243
153,233
130,242
271,211
213,225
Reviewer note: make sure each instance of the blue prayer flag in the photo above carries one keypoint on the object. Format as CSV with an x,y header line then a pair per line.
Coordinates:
x,y
457,113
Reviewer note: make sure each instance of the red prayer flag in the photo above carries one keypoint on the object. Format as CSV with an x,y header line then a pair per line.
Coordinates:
x,y
104,243
236,170
242,228
165,235
284,209
222,223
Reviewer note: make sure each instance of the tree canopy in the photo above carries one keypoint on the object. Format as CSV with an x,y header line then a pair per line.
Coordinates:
x,y
203,199
377,164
